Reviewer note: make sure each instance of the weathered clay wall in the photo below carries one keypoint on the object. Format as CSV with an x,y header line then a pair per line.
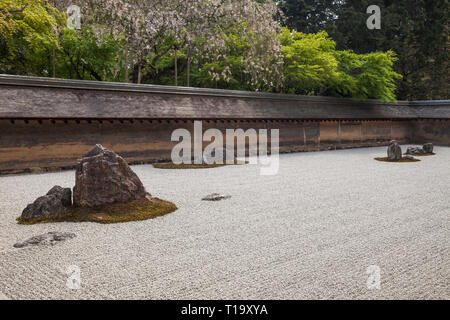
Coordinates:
x,y
49,123
434,130
27,145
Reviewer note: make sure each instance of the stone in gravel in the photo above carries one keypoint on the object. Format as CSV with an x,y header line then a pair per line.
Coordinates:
x,y
414,150
409,158
428,148
216,197
47,239
54,202
394,151
102,177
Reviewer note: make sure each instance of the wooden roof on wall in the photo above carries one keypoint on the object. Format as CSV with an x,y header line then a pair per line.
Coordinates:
x,y
47,98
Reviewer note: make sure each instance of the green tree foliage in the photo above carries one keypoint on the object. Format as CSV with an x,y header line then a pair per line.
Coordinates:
x,y
416,30
314,66
308,16
85,55
371,75
27,36
310,64
31,31
225,69
250,52
225,72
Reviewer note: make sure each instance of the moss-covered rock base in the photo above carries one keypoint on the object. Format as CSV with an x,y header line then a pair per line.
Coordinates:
x,y
385,159
138,210
421,154
195,166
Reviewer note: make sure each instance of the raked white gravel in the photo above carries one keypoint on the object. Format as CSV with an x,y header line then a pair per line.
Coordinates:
x,y
309,232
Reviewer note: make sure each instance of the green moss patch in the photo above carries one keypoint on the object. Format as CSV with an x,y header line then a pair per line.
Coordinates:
x,y
385,159
138,210
421,154
195,166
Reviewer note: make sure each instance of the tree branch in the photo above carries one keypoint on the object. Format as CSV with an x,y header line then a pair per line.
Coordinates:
x,y
74,66
158,56
91,71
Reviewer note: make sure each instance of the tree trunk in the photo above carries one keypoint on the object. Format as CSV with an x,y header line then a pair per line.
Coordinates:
x,y
54,48
127,74
176,68
139,73
54,61
189,68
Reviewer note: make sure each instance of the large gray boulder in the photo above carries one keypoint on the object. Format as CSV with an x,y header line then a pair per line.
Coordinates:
x,y
394,151
54,202
428,148
102,177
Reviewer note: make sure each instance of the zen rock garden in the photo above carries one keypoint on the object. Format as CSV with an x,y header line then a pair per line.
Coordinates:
x,y
395,153
263,226
106,191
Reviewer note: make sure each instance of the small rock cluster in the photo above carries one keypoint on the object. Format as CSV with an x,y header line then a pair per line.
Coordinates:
x,y
48,239
394,151
216,197
427,148
102,178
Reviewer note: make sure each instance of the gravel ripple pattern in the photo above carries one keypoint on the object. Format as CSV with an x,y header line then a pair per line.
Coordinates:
x,y
309,232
